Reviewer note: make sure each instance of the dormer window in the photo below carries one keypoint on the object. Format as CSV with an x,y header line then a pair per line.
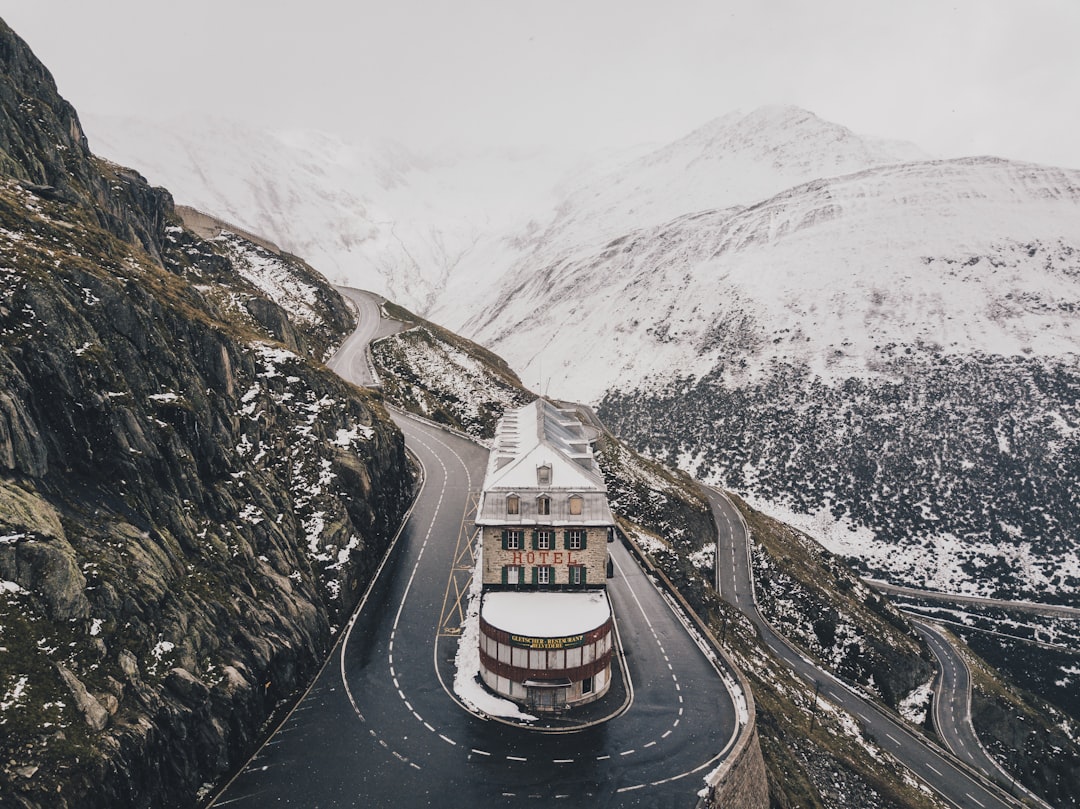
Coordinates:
x,y
543,475
543,504
513,504
576,503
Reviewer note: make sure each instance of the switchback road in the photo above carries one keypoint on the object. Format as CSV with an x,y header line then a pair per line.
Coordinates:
x,y
950,779
381,726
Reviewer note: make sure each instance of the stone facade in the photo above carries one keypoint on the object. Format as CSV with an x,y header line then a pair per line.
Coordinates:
x,y
590,559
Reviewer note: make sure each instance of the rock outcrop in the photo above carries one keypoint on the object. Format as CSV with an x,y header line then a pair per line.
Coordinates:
x,y
190,503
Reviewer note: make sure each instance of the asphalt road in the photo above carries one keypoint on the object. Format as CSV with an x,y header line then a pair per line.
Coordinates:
x,y
952,700
1051,610
351,360
937,768
381,726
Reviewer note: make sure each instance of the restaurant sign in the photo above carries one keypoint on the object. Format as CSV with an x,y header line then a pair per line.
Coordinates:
x,y
547,643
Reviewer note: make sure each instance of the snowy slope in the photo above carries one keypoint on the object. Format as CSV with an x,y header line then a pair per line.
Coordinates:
x,y
880,346
371,215
963,255
736,160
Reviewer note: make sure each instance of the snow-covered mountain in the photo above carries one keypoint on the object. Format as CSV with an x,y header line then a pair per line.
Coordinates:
x,y
838,274
887,357
370,214
878,345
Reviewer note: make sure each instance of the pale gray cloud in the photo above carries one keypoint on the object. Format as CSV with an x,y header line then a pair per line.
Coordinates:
x,y
975,76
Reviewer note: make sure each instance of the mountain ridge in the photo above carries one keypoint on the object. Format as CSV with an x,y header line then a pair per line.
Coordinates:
x,y
190,502
900,281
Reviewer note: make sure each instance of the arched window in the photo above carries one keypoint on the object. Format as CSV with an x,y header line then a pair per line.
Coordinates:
x,y
513,504
576,503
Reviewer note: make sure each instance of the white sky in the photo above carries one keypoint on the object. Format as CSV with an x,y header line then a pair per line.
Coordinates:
x,y
970,77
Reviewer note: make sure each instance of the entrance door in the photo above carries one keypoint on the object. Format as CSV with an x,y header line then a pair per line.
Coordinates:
x,y
547,699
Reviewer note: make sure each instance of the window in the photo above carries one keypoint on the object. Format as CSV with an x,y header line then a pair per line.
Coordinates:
x,y
575,539
577,574
543,475
576,502
586,685
543,574
543,504
513,504
544,540
512,539
512,574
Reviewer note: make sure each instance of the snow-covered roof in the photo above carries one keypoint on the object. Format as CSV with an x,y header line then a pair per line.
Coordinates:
x,y
540,434
542,451
546,614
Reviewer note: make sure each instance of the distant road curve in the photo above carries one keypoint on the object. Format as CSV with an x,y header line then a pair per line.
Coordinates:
x,y
352,361
1052,610
949,778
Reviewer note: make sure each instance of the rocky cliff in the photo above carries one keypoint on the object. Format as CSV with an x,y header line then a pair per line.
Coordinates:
x,y
190,503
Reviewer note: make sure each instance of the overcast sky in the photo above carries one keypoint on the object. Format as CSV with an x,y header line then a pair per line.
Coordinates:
x,y
971,77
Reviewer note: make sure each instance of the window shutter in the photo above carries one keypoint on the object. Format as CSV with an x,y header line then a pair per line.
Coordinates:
x,y
584,538
566,540
535,541
505,545
536,575
583,569
505,575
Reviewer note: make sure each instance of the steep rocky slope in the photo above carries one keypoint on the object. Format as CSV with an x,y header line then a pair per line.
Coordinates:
x,y
189,502
434,373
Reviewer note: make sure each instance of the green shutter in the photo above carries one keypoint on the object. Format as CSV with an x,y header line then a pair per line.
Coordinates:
x,y
584,538
535,541
582,569
505,577
505,546
566,540
536,575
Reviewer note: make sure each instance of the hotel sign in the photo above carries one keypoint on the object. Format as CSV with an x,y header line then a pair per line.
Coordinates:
x,y
547,643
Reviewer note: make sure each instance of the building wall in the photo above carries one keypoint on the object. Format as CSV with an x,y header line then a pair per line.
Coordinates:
x,y
593,556
742,782
506,664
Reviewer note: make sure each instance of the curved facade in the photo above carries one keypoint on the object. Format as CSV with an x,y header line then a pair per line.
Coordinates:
x,y
548,670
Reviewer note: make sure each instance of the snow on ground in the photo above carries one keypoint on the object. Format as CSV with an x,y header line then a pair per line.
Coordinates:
x,y
273,276
937,563
914,706
467,662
